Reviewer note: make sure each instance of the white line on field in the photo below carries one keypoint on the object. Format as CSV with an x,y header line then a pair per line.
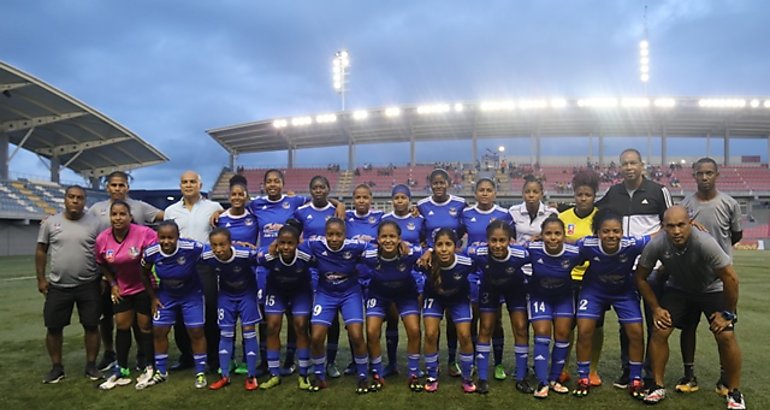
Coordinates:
x,y
19,278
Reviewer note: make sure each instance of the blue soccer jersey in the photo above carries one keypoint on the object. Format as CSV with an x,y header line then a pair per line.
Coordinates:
x,y
314,219
475,222
391,278
243,228
611,273
271,215
287,276
337,273
412,227
551,274
175,273
501,274
362,228
236,275
441,215
455,284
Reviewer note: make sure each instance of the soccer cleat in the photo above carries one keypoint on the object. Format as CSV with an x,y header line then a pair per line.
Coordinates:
x,y
156,378
564,377
469,386
721,388
141,362
655,395
594,379
431,385
332,370
622,381
390,370
454,369
270,383
108,361
146,375
303,383
363,386
523,387
54,376
200,381
500,372
317,385
558,387
120,377
251,383
241,368
377,383
687,385
542,391
93,373
288,369
636,389
222,382
415,385
350,369
735,400
582,389
482,387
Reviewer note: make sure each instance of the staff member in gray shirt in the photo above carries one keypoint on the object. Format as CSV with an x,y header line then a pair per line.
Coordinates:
x,y
73,278
701,279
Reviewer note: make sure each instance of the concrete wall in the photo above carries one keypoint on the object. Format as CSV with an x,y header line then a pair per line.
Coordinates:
x,y
18,237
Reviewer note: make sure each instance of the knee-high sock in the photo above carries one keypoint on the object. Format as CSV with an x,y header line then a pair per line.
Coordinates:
x,y
482,360
635,370
542,345
226,339
376,363
362,365
252,347
274,362
431,365
558,358
466,365
122,346
522,356
304,361
413,362
498,344
161,363
319,367
200,362
145,339
583,369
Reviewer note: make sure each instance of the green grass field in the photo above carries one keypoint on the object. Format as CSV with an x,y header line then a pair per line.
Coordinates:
x,y
23,361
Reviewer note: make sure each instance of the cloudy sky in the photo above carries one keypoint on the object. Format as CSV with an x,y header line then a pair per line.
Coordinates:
x,y
169,70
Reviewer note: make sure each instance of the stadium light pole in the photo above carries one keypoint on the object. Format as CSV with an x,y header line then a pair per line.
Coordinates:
x,y
644,56
340,72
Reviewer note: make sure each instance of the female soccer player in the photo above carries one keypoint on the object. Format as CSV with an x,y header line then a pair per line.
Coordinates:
x,y
448,290
577,221
288,289
475,220
443,210
338,290
392,281
237,299
171,261
551,303
609,281
501,277
118,253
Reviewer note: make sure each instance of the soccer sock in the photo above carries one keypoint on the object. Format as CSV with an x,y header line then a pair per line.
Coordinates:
x,y
200,362
522,355
689,370
161,363
482,360
226,339
634,370
558,358
413,362
391,342
498,343
251,346
377,365
466,365
304,360
331,352
122,346
541,358
147,346
319,367
362,365
274,362
583,368
431,365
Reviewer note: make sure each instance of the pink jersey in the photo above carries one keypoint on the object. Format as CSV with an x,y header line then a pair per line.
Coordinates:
x,y
124,259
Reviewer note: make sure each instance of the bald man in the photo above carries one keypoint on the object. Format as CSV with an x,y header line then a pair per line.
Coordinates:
x,y
192,214
701,280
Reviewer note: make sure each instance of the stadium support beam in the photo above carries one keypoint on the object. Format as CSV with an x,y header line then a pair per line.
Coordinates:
x,y
768,148
4,156
232,158
537,148
71,148
20,145
101,171
474,147
290,160
26,123
412,156
663,148
55,166
708,144
601,148
351,156
727,146
13,86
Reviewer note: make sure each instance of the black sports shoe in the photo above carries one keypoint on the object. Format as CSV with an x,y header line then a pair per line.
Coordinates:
x,y
55,375
93,373
482,387
524,387
107,362
622,381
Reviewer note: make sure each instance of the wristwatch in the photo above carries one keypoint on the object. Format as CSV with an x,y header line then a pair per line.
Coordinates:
x,y
729,316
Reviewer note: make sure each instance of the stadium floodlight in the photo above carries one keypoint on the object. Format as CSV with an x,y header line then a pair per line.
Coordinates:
x,y
301,121
501,149
459,107
754,103
507,105
340,72
326,118
722,103
558,102
635,102
433,109
767,104
644,61
392,112
532,104
280,123
606,102
360,115
665,102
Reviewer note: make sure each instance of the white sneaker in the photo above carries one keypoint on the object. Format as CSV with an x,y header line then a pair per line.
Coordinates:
x,y
735,400
114,381
200,381
146,375
157,378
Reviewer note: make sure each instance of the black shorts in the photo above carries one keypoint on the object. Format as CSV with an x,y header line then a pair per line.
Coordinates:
x,y
57,309
138,302
685,308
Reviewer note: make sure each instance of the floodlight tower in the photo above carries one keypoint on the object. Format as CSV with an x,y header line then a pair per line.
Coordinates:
x,y
644,56
340,72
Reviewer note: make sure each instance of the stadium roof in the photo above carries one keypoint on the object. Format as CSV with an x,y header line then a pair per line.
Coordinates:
x,y
42,119
609,117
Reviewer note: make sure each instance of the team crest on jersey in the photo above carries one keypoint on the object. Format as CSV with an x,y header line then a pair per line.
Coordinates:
x,y
134,252
181,260
248,222
347,255
285,205
623,258
570,229
372,220
565,264
453,211
667,254
509,270
109,255
410,226
401,267
457,276
236,269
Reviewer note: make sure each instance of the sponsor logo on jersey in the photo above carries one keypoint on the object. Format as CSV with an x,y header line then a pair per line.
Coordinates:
x,y
453,211
430,212
410,226
134,252
596,259
264,207
309,217
227,225
565,264
285,205
473,219
540,261
372,220
570,229
644,201
248,222
109,255
347,255
324,253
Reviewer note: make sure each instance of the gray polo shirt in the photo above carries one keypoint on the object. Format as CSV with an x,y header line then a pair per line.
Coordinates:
x,y
721,215
70,249
690,269
143,213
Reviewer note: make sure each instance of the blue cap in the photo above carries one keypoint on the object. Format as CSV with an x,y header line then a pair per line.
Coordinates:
x,y
401,189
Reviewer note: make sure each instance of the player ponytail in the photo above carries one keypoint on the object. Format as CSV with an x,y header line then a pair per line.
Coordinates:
x,y
435,266
602,215
239,180
292,226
